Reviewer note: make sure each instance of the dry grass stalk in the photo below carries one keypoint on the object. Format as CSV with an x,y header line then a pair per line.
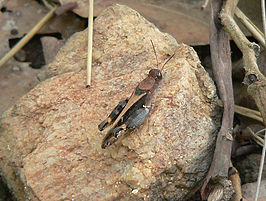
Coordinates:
x,y
253,114
250,26
90,32
264,145
256,136
27,38
205,4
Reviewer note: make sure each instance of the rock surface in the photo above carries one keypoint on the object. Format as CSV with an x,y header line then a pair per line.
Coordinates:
x,y
50,146
248,167
249,191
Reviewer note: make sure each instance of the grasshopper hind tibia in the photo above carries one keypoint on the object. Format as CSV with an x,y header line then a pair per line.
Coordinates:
x,y
114,114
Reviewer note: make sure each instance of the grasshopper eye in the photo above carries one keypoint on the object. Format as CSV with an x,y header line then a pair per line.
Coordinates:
x,y
159,75
156,74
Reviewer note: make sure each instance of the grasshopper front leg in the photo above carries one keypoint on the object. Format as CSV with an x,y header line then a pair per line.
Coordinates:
x,y
114,114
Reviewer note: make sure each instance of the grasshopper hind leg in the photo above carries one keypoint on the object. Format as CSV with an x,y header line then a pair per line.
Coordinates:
x,y
114,114
117,133
134,121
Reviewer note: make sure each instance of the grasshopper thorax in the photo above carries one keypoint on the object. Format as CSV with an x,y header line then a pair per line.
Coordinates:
x,y
155,74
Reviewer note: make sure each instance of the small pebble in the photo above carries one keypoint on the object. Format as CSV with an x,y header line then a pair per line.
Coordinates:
x,y
16,68
14,32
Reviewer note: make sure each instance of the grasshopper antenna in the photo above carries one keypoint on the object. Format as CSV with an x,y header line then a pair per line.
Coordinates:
x,y
167,61
155,54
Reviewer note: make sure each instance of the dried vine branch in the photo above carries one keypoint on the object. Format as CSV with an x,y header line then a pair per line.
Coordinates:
x,y
253,77
222,12
222,68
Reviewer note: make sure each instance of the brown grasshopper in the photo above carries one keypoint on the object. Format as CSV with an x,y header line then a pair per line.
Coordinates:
x,y
131,112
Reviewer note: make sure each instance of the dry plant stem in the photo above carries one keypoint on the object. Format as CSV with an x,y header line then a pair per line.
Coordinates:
x,y
48,4
264,145
253,114
253,77
250,26
236,182
222,67
259,140
26,38
261,167
263,18
205,4
90,32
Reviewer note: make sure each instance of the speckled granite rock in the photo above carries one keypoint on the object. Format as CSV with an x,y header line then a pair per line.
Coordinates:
x,y
50,147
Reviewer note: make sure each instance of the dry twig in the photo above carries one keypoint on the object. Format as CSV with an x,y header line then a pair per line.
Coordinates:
x,y
205,4
255,136
253,114
27,38
221,62
253,77
261,165
250,26
55,10
90,32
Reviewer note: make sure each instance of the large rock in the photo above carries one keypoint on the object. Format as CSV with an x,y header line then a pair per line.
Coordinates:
x,y
249,191
50,146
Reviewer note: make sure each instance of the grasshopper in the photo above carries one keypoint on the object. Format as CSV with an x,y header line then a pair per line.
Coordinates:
x,y
131,112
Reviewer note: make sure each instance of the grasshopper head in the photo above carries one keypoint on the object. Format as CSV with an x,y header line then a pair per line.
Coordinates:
x,y
155,74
